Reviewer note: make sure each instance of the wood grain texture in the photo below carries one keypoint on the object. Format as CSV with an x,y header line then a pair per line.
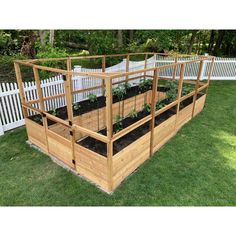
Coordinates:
x,y
60,148
92,166
36,134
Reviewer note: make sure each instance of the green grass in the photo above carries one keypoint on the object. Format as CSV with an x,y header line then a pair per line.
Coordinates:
x,y
197,167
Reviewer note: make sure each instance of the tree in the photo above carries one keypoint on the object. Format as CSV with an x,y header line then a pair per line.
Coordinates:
x,y
219,41
120,38
51,37
193,36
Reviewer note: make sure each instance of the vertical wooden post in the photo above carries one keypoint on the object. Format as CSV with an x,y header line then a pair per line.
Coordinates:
x,y
109,125
39,89
180,85
69,100
175,68
210,73
145,65
153,108
197,85
21,88
103,70
127,68
41,102
68,92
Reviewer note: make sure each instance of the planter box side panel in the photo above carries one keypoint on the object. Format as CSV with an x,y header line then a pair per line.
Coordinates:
x,y
199,105
130,158
60,148
184,116
91,166
164,132
36,134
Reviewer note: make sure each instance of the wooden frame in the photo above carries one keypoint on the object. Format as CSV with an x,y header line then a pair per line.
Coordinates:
x,y
60,140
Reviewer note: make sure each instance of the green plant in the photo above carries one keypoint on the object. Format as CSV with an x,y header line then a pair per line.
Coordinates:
x,y
147,107
187,88
127,86
55,112
119,91
118,123
133,113
76,106
160,104
92,97
173,89
145,85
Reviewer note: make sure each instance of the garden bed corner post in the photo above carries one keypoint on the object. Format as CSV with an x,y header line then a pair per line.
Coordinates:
x,y
41,102
109,125
21,88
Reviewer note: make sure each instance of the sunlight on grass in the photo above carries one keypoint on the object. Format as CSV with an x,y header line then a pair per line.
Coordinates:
x,y
227,146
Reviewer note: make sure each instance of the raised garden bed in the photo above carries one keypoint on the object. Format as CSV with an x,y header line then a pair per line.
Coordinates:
x,y
106,138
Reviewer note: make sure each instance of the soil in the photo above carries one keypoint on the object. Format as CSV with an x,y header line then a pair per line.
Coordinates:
x,y
87,106
101,148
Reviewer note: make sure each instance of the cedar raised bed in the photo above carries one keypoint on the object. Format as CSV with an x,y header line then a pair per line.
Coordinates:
x,y
90,141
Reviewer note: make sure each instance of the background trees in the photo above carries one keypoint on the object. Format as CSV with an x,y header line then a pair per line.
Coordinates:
x,y
56,43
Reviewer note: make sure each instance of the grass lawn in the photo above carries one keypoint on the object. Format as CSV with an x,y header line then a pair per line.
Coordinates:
x,y
197,167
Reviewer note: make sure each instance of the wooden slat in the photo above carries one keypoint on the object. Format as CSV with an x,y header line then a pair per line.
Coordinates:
x,y
153,109
21,88
182,68
197,85
109,125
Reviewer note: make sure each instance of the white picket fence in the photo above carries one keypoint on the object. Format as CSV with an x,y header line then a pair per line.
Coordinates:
x,y
10,107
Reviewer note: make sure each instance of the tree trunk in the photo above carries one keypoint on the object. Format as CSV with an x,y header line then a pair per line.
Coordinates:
x,y
131,35
120,38
211,42
51,37
194,34
42,36
221,34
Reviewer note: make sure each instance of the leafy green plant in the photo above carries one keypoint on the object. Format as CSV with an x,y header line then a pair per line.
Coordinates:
x,y
127,86
118,123
147,107
92,97
119,91
160,104
173,90
133,113
76,106
145,85
55,112
187,88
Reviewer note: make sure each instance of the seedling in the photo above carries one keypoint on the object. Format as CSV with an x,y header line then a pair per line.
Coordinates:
x,y
76,106
55,112
119,92
127,86
133,113
119,124
147,107
92,97
159,105
145,85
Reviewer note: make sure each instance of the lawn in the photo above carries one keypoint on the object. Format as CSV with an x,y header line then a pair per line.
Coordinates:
x,y
196,168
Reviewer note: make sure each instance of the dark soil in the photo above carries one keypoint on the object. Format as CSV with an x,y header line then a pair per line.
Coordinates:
x,y
101,148
87,106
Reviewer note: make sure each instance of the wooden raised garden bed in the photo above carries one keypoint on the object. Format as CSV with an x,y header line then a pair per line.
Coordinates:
x,y
105,138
